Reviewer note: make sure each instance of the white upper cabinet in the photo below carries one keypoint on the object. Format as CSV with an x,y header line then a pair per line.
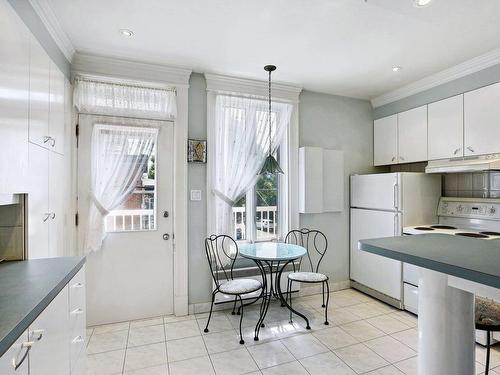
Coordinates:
x,y
445,128
39,95
14,100
385,140
412,135
482,120
58,198
56,109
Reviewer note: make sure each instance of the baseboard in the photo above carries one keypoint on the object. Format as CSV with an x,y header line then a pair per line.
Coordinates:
x,y
305,290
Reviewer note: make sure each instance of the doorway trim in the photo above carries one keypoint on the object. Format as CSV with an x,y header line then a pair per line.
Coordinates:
x,y
154,75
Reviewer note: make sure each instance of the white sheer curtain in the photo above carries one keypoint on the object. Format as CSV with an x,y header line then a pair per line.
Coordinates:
x,y
241,146
118,157
113,99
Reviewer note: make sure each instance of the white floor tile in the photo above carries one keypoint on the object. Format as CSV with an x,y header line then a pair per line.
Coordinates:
x,y
341,316
173,318
155,370
362,330
222,341
104,342
290,368
234,362
140,357
146,335
217,323
360,358
390,349
335,338
304,346
180,330
389,370
388,324
113,327
146,322
408,366
181,349
408,337
326,363
108,363
194,366
270,354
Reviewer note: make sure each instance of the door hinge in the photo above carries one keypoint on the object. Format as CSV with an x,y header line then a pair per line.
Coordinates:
x,y
77,133
76,219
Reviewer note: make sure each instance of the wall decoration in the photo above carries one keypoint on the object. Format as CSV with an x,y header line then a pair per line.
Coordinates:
x,y
197,151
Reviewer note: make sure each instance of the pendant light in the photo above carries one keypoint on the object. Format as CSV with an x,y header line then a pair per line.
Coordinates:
x,y
271,165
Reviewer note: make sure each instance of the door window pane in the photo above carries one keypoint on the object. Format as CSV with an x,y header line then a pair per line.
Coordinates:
x,y
240,219
266,207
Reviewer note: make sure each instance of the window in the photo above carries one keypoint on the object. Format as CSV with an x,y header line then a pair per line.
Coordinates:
x,y
138,211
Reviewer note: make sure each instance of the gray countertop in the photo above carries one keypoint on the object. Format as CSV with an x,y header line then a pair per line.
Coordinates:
x,y
27,288
468,258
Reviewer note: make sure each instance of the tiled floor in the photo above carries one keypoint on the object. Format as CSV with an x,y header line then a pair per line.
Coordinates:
x,y
364,337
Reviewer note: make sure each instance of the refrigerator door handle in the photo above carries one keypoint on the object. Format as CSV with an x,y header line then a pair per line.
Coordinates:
x,y
395,190
396,225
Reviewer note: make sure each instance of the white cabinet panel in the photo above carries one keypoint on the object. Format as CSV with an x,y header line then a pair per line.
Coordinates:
x,y
38,203
50,353
385,140
14,100
57,199
17,354
445,128
412,135
56,109
376,191
482,120
39,95
366,267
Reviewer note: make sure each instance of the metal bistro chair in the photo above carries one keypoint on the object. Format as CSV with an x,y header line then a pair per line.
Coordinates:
x,y
222,252
487,317
316,242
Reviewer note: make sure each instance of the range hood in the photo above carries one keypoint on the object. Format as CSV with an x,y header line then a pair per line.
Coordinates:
x,y
465,164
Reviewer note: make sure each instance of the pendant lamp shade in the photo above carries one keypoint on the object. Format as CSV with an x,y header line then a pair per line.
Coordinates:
x,y
271,165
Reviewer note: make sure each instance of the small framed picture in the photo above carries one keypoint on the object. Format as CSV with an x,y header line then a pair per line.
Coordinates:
x,y
197,151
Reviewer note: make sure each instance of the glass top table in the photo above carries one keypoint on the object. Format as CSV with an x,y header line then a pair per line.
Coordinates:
x,y
272,251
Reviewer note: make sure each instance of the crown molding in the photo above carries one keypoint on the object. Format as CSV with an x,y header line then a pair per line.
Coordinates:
x,y
458,71
128,70
222,83
44,10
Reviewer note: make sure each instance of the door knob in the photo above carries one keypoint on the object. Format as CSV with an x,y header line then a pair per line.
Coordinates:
x,y
166,236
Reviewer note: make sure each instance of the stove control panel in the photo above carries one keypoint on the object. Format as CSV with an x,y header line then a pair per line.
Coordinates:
x,y
483,209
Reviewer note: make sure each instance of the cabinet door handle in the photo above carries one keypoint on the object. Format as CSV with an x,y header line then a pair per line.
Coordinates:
x,y
393,158
77,311
52,215
470,149
457,151
47,139
38,333
46,217
77,285
16,362
52,142
395,197
402,158
77,339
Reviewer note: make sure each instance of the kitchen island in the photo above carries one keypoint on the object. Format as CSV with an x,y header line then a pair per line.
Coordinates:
x,y
451,267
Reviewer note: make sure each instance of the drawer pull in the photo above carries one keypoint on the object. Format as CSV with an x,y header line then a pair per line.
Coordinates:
x,y
77,340
17,363
77,285
77,311
37,334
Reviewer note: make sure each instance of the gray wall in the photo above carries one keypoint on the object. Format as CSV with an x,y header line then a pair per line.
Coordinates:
x,y
339,123
327,121
473,81
24,9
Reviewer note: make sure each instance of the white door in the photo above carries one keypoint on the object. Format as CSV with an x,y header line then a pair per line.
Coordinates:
x,y
412,135
385,140
446,128
482,120
131,276
57,199
376,191
56,110
374,271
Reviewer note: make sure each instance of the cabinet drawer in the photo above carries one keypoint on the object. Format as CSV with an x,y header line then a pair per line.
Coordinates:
x,y
80,366
411,298
77,291
77,348
15,354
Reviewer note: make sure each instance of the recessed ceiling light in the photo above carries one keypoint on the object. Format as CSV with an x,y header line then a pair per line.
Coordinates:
x,y
421,3
126,32
396,69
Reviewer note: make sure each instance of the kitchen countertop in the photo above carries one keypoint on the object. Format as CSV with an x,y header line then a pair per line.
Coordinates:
x,y
472,259
27,288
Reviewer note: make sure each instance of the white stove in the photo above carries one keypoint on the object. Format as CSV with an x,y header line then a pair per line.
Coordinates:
x,y
469,217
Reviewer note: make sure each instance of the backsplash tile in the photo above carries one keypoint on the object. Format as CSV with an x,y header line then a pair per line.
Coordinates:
x,y
472,185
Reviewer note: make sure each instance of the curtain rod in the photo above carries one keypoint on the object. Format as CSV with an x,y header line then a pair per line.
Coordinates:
x,y
168,89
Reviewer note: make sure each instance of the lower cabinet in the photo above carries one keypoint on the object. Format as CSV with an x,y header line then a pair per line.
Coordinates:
x,y
55,342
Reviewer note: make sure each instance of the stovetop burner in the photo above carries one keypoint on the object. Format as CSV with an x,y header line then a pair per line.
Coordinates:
x,y
424,228
442,227
490,233
473,235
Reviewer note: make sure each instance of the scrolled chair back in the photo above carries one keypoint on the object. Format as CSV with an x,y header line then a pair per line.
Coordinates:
x,y
222,251
313,241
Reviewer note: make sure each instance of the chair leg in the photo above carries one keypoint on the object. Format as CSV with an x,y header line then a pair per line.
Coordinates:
x,y
327,300
210,314
323,292
241,320
488,343
290,321
234,306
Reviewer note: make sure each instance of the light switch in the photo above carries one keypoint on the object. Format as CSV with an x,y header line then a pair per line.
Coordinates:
x,y
196,195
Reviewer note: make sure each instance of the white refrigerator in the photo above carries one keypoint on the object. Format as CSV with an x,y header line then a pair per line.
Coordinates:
x,y
381,205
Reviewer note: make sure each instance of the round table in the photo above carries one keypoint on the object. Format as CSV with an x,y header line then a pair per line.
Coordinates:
x,y
276,256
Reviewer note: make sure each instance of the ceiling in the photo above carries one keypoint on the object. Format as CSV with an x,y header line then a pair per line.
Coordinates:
x,y
345,47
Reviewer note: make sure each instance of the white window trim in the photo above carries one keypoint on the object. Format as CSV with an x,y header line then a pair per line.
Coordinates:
x,y
217,84
158,76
